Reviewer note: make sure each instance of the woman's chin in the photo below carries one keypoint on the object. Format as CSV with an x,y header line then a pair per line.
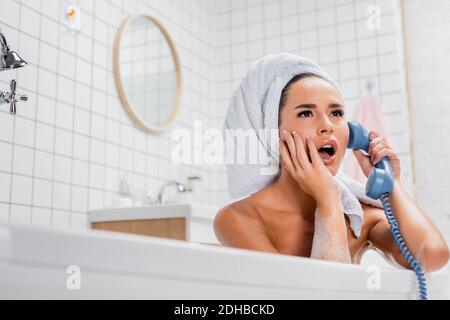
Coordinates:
x,y
333,168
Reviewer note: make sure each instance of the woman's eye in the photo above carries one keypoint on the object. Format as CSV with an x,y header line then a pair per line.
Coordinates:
x,y
304,114
338,113
307,113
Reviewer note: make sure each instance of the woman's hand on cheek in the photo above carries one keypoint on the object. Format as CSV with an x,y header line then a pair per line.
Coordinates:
x,y
312,176
378,149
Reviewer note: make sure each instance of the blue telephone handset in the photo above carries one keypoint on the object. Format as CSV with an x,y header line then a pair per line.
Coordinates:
x,y
379,186
381,179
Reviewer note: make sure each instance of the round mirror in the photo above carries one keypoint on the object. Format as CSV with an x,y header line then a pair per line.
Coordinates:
x,y
147,72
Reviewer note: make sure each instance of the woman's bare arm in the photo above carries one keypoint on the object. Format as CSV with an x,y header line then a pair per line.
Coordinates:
x,y
421,236
330,232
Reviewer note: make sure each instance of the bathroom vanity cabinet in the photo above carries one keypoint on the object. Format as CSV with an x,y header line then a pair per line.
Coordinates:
x,y
188,222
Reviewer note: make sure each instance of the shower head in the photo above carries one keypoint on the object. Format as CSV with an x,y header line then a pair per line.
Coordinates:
x,y
9,59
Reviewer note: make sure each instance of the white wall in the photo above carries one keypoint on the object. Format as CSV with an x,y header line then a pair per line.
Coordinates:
x,y
64,150
428,47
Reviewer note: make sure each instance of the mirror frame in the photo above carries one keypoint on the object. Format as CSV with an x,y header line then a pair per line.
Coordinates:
x,y
118,76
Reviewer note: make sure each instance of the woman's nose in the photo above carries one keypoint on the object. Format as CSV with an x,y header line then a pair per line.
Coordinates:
x,y
325,126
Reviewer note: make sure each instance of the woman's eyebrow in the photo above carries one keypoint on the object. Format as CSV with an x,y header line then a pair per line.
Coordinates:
x,y
335,105
306,105
312,106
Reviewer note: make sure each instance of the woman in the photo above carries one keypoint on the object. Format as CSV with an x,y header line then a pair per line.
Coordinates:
x,y
300,211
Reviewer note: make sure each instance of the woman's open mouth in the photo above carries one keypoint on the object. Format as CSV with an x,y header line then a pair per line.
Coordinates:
x,y
328,151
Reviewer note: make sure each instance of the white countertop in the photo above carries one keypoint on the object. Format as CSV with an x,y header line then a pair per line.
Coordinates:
x,y
164,211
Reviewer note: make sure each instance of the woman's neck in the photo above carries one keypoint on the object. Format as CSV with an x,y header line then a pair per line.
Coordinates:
x,y
287,196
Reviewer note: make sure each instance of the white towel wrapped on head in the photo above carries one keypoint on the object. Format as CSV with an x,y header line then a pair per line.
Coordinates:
x,y
254,105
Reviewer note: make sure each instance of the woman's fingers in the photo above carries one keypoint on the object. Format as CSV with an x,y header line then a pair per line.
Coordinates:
x,y
285,157
301,151
378,147
292,149
382,153
374,143
313,153
381,145
373,134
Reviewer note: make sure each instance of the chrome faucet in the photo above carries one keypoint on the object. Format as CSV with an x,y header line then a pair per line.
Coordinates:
x,y
180,188
10,60
12,97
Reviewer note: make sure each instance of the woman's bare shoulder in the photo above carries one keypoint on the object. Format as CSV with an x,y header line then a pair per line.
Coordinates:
x,y
242,210
238,225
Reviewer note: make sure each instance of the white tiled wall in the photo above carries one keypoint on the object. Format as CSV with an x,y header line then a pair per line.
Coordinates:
x,y
428,47
63,152
331,32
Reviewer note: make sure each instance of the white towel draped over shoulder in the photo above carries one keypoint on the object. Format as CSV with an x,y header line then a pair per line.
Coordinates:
x,y
254,106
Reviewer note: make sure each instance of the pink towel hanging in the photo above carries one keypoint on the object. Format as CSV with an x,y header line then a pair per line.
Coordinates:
x,y
370,114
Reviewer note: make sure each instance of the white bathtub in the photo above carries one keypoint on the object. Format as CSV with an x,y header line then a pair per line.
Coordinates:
x,y
34,264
